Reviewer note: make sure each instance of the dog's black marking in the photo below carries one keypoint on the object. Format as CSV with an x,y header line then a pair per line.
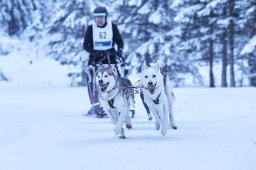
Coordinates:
x,y
111,103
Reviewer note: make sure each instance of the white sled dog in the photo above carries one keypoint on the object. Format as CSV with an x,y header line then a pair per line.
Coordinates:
x,y
115,98
158,95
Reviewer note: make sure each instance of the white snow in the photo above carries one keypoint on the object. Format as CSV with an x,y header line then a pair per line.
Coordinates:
x,y
28,66
186,12
250,46
155,18
43,128
145,9
134,2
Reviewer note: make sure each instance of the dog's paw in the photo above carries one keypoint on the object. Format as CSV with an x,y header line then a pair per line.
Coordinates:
x,y
150,117
174,127
128,126
122,137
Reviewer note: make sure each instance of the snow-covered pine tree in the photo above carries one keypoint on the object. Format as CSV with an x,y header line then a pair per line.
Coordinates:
x,y
237,27
146,27
16,15
67,28
247,31
226,23
198,31
36,31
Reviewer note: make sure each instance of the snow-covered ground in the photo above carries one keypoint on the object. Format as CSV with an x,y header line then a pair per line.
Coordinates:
x,y
42,127
27,65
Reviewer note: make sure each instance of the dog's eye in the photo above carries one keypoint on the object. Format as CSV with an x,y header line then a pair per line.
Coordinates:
x,y
146,77
154,76
106,76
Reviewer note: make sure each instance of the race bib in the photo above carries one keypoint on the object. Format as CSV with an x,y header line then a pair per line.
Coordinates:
x,y
102,37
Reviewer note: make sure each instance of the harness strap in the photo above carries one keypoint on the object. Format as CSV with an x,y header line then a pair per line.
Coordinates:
x,y
156,101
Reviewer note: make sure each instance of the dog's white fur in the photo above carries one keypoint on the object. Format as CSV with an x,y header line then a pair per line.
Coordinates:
x,y
112,90
154,89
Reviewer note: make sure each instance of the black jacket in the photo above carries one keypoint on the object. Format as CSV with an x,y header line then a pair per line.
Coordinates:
x,y
88,46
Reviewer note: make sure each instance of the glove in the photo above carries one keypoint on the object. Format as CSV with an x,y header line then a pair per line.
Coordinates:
x,y
119,53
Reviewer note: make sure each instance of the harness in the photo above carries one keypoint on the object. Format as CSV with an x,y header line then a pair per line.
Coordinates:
x,y
137,89
110,101
156,101
115,90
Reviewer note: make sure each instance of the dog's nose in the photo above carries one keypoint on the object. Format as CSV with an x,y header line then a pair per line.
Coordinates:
x,y
100,81
150,83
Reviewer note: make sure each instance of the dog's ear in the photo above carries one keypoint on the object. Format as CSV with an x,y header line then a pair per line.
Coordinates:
x,y
157,65
114,70
144,66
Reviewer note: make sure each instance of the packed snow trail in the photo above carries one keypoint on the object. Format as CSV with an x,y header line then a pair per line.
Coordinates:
x,y
44,128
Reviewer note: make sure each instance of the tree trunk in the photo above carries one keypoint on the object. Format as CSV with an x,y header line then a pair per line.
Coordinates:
x,y
252,70
224,54
212,84
211,56
156,45
224,61
231,43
